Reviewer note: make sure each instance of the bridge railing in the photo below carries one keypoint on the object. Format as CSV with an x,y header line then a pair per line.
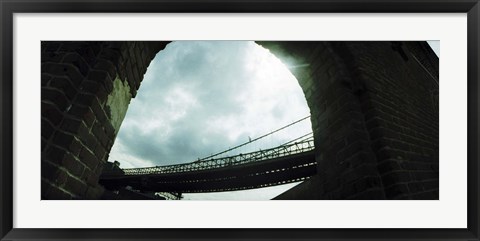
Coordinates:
x,y
261,155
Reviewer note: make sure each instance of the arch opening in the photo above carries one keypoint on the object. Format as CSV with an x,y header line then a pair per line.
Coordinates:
x,y
199,98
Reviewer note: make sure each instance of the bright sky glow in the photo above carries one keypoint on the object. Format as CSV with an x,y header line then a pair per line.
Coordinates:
x,y
435,45
202,97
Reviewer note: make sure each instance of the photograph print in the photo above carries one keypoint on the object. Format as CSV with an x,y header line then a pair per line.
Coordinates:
x,y
240,120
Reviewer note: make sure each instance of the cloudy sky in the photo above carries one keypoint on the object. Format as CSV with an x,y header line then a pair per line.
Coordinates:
x,y
202,97
435,45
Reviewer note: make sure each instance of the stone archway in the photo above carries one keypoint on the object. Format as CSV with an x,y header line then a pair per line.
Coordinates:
x,y
367,147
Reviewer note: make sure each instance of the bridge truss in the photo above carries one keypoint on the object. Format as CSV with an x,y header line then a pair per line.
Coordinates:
x,y
290,162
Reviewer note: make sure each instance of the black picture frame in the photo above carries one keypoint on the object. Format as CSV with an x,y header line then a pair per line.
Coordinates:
x,y
9,7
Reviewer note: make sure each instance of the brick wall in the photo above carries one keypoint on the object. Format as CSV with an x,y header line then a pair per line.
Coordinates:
x,y
79,121
374,109
400,106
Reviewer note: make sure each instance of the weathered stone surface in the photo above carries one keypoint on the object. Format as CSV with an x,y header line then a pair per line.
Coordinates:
x,y
117,102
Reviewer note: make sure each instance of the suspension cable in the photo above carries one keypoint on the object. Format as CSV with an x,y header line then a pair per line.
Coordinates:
x,y
250,141
298,138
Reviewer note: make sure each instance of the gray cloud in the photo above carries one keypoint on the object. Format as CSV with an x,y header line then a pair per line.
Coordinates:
x,y
200,97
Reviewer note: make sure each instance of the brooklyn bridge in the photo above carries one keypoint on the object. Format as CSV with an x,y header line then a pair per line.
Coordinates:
x,y
292,161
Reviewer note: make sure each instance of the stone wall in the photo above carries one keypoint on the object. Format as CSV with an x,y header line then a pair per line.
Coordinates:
x,y
400,106
86,89
375,120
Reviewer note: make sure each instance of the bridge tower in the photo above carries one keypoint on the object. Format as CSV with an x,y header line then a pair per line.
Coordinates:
x,y
374,111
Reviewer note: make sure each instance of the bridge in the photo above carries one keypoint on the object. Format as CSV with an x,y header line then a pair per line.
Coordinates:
x,y
289,162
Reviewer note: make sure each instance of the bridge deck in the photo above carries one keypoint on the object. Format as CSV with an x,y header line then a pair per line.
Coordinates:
x,y
274,171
